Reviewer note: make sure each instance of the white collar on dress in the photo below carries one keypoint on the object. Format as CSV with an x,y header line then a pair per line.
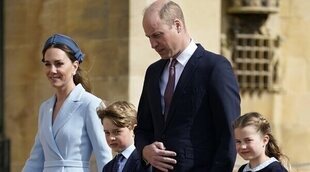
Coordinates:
x,y
260,166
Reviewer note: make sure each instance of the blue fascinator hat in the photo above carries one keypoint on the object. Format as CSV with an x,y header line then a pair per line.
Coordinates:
x,y
65,40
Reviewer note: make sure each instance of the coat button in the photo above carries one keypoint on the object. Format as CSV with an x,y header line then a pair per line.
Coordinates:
x,y
163,137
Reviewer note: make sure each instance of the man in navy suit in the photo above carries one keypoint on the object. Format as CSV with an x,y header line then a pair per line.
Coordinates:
x,y
193,131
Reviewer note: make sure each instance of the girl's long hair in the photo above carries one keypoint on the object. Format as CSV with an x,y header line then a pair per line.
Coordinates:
x,y
262,125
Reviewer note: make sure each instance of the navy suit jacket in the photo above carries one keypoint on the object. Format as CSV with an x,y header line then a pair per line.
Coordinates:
x,y
198,127
133,164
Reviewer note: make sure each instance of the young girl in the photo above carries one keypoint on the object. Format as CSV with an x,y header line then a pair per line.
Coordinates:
x,y
255,143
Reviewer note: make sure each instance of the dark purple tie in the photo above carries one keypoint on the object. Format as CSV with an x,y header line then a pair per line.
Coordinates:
x,y
170,87
118,159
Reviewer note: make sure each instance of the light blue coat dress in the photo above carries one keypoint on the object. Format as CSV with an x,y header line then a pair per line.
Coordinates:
x,y
67,145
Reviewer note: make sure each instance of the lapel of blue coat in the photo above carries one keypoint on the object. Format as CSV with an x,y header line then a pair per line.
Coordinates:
x,y
68,108
185,78
47,125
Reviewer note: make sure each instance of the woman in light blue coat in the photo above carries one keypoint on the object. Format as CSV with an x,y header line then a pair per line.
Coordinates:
x,y
69,129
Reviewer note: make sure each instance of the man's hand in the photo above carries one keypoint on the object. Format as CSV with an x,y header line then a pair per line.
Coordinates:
x,y
160,158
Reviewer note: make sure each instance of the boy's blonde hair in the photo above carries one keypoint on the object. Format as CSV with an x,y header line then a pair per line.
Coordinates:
x,y
121,113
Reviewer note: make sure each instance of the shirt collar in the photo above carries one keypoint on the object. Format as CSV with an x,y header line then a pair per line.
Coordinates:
x,y
260,166
127,152
187,53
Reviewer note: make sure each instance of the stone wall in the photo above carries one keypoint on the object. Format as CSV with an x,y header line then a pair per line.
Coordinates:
x,y
287,109
295,26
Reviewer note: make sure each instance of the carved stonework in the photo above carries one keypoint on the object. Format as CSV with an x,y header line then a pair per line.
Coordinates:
x,y
265,3
254,6
250,46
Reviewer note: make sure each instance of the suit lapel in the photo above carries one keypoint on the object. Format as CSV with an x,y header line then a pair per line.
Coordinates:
x,y
155,92
185,79
131,162
47,125
68,108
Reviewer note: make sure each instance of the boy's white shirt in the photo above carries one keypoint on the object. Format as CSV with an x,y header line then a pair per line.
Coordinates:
x,y
127,152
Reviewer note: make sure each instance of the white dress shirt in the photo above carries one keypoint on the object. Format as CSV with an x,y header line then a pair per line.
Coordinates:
x,y
182,60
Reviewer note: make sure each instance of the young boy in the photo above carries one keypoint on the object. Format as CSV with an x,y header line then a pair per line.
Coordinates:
x,y
119,120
